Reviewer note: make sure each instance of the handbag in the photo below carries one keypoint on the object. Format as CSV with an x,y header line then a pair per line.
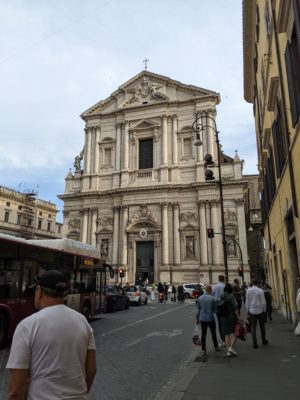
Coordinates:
x,y
196,339
297,329
240,330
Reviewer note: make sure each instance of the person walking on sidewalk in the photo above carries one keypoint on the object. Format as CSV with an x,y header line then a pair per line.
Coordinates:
x,y
256,307
229,317
53,351
206,307
217,291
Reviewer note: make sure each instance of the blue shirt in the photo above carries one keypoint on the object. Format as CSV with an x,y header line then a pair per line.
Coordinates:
x,y
206,307
218,290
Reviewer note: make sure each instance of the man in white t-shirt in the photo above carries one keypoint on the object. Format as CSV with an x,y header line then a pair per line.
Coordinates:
x,y
53,354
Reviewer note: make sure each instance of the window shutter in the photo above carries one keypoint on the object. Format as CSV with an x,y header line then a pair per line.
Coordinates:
x,y
276,148
291,83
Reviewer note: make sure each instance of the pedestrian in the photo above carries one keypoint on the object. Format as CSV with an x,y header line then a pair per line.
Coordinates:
x,y
256,307
268,297
161,291
53,352
180,294
237,292
166,289
153,289
217,291
206,308
298,296
174,293
229,318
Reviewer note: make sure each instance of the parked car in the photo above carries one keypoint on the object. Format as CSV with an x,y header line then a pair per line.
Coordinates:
x,y
136,294
116,298
190,287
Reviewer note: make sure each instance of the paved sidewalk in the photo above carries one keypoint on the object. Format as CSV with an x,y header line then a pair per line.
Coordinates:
x,y
271,372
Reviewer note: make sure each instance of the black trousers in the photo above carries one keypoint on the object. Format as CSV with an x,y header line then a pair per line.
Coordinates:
x,y
212,327
261,318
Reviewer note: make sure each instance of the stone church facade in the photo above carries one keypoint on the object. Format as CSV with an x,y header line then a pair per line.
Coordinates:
x,y
138,189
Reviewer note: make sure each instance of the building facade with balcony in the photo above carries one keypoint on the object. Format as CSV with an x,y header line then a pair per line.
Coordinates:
x,y
272,85
138,190
24,215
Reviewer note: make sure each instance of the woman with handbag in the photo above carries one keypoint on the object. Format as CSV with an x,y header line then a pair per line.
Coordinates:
x,y
229,314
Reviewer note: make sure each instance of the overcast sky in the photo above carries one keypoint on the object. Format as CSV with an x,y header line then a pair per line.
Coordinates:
x,y
58,58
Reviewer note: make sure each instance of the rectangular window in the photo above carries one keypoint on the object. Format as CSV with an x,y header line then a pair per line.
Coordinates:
x,y
278,142
49,226
8,204
19,207
49,216
145,153
29,222
267,20
107,156
40,224
292,61
40,213
187,148
6,216
19,219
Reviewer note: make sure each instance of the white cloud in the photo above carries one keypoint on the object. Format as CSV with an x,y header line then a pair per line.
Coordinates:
x,y
59,58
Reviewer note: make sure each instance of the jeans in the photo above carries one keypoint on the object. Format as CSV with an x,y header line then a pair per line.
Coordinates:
x,y
212,327
261,318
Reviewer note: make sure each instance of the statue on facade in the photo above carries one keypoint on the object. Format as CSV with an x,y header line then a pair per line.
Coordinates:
x,y
190,252
104,248
76,164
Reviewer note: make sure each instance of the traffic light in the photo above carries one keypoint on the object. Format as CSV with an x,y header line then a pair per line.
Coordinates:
x,y
210,233
241,271
121,273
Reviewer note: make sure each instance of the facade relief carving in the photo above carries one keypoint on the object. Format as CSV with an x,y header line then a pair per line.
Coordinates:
x,y
189,217
143,215
104,221
74,223
230,217
146,90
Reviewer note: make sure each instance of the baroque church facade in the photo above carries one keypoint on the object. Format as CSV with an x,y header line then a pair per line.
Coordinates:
x,y
138,190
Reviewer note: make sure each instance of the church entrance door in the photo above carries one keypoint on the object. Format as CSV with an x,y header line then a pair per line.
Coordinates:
x,y
144,262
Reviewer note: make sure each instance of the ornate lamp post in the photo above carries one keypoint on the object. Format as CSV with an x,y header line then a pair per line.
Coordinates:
x,y
198,127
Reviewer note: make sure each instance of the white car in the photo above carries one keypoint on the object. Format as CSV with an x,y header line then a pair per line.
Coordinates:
x,y
190,287
136,294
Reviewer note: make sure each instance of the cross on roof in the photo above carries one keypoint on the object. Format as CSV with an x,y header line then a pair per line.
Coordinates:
x,y
145,61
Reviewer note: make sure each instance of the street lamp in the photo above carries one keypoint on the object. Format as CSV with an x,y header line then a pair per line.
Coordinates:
x,y
198,127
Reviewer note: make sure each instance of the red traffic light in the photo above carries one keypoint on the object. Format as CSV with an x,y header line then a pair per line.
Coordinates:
x,y
210,233
121,273
240,270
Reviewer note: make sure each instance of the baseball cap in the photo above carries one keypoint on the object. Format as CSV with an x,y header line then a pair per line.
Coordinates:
x,y
52,279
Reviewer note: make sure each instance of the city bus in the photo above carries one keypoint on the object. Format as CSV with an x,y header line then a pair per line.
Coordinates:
x,y
22,260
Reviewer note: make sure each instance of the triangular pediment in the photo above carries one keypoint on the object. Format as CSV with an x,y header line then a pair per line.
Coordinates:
x,y
147,88
144,125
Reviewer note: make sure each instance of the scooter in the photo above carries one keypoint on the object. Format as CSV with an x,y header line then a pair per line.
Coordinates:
x,y
161,297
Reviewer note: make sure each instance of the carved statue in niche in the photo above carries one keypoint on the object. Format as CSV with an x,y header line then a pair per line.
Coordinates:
x,y
104,248
231,248
190,250
74,223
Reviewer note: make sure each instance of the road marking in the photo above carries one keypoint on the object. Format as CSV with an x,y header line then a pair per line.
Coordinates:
x,y
138,322
173,333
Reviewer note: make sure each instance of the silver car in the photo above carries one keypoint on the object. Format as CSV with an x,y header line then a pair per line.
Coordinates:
x,y
136,294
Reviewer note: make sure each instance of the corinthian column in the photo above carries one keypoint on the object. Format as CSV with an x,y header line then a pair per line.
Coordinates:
x,y
97,149
115,260
165,140
126,145
84,231
203,233
165,235
176,235
94,227
118,147
124,233
174,136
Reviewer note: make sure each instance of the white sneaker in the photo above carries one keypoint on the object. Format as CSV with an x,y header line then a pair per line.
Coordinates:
x,y
232,352
229,354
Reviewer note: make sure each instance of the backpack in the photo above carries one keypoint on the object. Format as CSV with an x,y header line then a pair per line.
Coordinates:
x,y
223,309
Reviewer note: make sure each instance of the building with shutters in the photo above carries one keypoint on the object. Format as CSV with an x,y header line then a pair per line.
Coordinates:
x,y
138,190
23,214
272,85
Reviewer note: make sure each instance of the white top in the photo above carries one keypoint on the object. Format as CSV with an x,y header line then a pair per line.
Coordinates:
x,y
255,300
52,344
218,290
298,300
